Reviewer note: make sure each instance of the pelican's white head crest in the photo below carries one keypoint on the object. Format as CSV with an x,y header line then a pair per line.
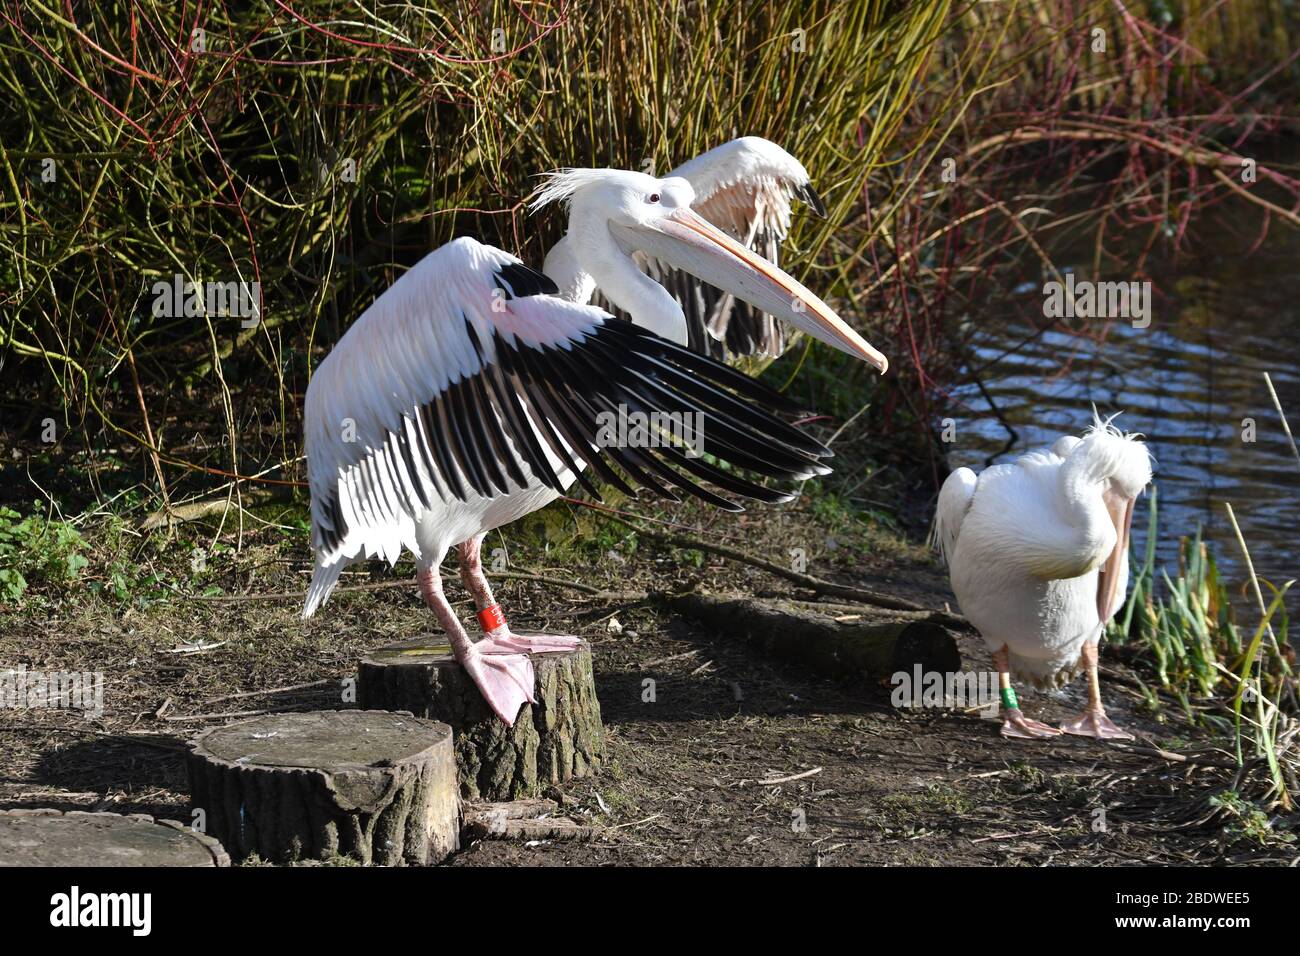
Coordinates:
x,y
559,185
1116,456
617,195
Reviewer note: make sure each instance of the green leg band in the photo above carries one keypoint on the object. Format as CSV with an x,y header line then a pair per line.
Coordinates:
x,y
1009,700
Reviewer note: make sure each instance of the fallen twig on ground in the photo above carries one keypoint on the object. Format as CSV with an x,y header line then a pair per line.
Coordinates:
x,y
195,510
1174,757
523,820
830,588
231,713
382,585
269,690
791,778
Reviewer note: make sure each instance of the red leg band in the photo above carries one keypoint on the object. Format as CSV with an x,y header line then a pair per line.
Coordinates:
x,y
491,618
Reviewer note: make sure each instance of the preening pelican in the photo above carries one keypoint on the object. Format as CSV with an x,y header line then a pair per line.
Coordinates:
x,y
470,394
1037,552
745,188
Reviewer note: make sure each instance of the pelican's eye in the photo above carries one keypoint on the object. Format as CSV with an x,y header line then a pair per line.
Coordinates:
x,y
653,197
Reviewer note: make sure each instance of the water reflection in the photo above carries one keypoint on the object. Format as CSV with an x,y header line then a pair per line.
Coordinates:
x,y
1192,383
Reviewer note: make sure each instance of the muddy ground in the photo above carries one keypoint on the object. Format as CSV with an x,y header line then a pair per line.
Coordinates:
x,y
683,782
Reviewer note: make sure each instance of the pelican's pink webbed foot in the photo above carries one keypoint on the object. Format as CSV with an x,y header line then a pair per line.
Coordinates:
x,y
497,636
1093,722
504,679
1019,727
499,663
510,643
501,685
499,639
1014,723
500,666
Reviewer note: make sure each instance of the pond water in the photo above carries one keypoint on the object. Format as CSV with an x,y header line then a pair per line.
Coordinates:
x,y
1221,316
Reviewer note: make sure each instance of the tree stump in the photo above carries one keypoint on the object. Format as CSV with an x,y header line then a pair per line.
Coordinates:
x,y
559,738
79,838
833,640
377,787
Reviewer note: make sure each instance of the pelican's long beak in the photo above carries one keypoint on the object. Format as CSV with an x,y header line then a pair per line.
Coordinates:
x,y
1114,570
688,242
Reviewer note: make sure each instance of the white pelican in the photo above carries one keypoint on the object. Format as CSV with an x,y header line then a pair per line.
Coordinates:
x,y
1037,552
469,394
743,187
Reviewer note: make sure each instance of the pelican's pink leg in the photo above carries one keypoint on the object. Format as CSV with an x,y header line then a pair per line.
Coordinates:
x,y
497,636
1093,722
1015,724
505,680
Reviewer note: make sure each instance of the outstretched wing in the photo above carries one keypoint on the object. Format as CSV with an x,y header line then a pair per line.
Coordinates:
x,y
468,380
745,188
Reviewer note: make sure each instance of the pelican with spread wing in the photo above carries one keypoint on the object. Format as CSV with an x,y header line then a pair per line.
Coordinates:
x,y
471,393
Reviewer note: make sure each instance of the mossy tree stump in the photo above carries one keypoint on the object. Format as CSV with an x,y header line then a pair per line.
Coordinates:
x,y
79,838
374,786
559,738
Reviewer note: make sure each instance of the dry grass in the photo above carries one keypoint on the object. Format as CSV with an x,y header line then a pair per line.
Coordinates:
x,y
321,147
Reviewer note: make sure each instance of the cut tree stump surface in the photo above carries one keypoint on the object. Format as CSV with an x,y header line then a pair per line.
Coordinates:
x,y
80,838
557,739
374,786
831,640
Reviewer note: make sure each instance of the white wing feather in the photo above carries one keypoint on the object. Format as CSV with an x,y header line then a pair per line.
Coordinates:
x,y
408,347
954,501
469,381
